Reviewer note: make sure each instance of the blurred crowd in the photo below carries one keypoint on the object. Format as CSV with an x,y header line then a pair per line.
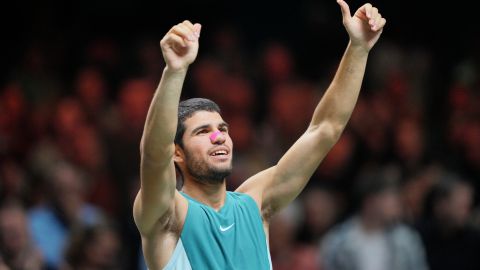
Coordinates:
x,y
400,187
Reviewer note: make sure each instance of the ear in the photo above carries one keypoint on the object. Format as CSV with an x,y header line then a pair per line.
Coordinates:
x,y
178,155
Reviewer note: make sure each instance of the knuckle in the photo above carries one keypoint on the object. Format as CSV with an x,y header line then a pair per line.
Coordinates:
x,y
168,38
163,42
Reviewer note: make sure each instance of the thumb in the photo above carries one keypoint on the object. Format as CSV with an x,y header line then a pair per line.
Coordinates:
x,y
197,28
345,9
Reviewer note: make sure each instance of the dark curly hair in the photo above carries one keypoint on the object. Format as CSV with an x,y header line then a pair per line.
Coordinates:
x,y
186,109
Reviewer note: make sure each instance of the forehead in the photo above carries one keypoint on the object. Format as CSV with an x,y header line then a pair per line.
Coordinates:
x,y
202,118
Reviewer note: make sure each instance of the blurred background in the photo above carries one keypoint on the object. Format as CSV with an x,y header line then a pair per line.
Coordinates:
x,y
399,190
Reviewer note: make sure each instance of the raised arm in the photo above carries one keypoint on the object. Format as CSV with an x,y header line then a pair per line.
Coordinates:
x,y
276,187
157,171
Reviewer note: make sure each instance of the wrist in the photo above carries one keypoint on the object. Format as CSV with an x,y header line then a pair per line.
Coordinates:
x,y
175,71
358,48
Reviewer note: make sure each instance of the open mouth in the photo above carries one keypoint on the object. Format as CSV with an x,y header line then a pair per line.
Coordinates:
x,y
219,153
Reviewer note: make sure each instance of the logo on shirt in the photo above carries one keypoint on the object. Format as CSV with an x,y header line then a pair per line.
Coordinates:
x,y
224,229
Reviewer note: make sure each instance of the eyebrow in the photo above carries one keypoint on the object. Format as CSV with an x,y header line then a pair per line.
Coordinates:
x,y
223,124
199,128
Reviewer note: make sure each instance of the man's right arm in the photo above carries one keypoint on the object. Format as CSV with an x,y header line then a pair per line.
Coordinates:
x,y
157,170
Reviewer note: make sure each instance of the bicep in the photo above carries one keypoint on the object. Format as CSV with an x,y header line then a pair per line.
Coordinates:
x,y
296,167
156,194
255,186
303,157
277,186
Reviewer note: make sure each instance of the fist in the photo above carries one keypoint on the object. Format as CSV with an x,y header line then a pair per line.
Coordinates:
x,y
180,45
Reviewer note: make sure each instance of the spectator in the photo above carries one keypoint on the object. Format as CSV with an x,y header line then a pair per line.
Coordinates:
x,y
374,238
450,241
286,253
52,222
94,247
16,247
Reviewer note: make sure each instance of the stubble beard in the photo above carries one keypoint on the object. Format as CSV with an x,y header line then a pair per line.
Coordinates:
x,y
203,172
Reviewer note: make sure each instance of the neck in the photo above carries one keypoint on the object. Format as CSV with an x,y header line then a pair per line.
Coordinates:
x,y
370,223
212,195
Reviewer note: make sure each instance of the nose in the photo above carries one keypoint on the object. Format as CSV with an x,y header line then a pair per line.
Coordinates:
x,y
217,137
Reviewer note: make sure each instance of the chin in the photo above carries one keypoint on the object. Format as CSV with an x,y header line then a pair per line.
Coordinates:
x,y
221,165
223,168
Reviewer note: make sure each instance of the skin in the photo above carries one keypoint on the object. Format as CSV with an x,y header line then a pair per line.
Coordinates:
x,y
160,210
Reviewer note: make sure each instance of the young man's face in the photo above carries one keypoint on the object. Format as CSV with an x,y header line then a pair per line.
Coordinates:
x,y
207,147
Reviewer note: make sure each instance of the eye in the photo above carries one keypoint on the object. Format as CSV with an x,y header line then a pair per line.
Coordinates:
x,y
223,129
202,131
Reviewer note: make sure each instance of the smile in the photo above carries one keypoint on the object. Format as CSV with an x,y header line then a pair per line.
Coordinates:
x,y
219,153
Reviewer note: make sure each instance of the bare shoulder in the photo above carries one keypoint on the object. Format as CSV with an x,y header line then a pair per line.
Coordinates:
x,y
256,185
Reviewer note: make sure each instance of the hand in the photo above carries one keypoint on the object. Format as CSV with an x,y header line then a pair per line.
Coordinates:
x,y
180,45
366,25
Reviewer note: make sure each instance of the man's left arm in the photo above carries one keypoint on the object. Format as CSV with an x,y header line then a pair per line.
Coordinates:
x,y
277,186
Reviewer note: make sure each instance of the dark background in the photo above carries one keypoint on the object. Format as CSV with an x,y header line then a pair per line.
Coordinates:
x,y
64,30
448,30
312,29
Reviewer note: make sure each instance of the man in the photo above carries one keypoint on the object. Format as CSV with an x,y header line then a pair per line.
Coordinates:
x,y
374,238
451,241
204,226
17,250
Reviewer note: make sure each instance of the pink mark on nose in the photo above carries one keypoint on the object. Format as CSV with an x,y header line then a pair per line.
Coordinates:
x,y
214,135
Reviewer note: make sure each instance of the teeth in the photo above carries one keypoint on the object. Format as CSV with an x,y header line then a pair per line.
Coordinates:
x,y
222,152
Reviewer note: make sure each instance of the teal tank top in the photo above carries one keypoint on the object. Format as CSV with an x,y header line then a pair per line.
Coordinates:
x,y
232,238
